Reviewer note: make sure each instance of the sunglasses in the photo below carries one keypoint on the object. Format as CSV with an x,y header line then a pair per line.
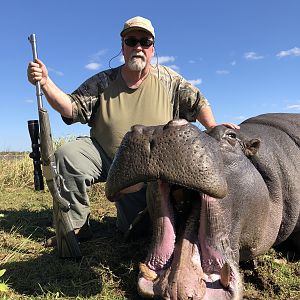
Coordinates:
x,y
144,42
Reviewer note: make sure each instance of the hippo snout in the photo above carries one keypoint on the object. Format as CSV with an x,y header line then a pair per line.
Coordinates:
x,y
178,152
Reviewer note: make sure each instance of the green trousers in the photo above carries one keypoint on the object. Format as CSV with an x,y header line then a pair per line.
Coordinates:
x,y
82,163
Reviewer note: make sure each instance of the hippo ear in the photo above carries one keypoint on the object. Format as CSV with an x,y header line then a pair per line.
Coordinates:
x,y
251,147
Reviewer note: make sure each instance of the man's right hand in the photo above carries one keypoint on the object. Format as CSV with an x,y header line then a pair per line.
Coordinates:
x,y
37,71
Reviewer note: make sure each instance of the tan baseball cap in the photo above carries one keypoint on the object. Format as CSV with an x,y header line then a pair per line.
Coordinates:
x,y
138,23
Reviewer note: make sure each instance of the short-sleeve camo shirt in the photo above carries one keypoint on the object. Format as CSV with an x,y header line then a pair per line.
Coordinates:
x,y
110,108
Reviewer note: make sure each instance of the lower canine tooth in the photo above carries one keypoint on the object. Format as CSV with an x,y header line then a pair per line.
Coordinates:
x,y
147,273
225,275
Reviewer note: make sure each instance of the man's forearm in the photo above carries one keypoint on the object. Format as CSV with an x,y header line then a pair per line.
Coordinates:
x,y
59,100
206,117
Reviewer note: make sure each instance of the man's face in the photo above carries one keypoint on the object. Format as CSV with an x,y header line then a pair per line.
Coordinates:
x,y
137,49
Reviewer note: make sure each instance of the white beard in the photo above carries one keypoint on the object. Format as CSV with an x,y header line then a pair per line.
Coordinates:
x,y
136,63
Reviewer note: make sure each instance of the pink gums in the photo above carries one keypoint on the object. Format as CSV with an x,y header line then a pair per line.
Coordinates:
x,y
211,258
164,246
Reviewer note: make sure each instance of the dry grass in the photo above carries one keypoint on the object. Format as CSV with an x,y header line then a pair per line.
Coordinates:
x,y
16,173
16,169
108,270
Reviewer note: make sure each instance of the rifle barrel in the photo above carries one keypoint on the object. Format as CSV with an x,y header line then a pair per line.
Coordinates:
x,y
32,40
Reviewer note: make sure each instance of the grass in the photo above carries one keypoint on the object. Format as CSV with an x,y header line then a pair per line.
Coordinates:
x,y
109,268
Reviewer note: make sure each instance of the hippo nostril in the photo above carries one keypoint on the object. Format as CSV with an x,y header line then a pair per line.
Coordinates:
x,y
152,144
178,122
138,128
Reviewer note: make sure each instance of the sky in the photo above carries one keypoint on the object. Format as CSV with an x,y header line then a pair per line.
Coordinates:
x,y
244,56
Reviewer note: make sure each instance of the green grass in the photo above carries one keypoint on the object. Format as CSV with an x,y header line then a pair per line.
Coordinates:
x,y
107,271
109,266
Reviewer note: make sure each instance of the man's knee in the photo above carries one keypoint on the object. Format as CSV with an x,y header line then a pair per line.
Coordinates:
x,y
65,151
69,158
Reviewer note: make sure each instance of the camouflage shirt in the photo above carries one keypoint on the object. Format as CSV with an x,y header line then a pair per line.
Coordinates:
x,y
110,108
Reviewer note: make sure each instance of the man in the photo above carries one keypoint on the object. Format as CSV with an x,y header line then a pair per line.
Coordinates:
x,y
110,102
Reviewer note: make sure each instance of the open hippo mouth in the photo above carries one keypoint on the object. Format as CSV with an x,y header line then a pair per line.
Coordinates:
x,y
190,256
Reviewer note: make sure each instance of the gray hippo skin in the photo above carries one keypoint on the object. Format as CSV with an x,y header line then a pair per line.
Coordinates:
x,y
214,197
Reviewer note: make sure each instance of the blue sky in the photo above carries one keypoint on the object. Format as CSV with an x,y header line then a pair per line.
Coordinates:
x,y
243,55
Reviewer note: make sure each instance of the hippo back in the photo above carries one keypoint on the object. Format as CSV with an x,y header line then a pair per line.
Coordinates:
x,y
287,123
278,161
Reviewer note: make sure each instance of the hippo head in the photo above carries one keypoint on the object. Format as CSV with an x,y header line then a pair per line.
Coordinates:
x,y
177,152
190,256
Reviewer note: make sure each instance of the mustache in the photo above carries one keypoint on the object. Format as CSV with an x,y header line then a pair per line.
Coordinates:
x,y
137,55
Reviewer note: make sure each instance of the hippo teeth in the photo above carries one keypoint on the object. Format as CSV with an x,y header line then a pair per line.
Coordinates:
x,y
147,273
225,275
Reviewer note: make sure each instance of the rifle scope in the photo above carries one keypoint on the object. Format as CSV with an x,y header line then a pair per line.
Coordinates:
x,y
34,132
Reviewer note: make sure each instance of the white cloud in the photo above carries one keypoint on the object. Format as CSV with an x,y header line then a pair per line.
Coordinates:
x,y
154,60
291,52
93,66
195,81
59,73
252,56
96,56
222,72
191,61
239,118
294,107
165,59
94,63
160,60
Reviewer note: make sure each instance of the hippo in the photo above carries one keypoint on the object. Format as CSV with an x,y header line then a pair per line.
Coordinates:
x,y
215,198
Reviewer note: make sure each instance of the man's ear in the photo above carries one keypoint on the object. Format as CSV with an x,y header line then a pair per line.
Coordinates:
x,y
251,147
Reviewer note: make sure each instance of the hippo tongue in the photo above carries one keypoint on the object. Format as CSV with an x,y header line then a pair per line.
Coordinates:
x,y
162,215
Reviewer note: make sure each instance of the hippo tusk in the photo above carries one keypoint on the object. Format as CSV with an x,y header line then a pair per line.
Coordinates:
x,y
225,275
147,273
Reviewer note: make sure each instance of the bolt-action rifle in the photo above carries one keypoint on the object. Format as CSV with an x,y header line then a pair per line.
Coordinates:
x,y
40,134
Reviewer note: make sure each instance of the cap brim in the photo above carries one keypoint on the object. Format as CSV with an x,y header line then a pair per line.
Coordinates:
x,y
125,31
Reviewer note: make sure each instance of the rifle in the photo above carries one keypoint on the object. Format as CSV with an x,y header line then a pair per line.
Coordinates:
x,y
67,244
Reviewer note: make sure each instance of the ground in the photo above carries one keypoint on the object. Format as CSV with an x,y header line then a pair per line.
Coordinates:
x,y
109,266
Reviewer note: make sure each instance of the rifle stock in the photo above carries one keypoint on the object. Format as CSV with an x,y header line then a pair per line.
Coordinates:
x,y
67,244
47,152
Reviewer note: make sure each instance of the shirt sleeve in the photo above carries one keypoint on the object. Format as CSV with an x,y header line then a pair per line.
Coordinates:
x,y
85,99
190,100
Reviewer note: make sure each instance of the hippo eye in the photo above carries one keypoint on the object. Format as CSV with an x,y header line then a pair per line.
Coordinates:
x,y
231,135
